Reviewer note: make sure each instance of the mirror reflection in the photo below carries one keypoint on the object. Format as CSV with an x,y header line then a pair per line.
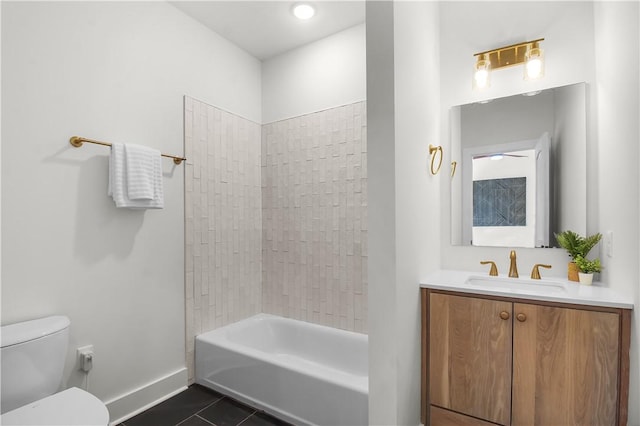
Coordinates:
x,y
522,162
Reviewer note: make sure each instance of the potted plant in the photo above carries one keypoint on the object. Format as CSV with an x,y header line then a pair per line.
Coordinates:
x,y
587,269
576,245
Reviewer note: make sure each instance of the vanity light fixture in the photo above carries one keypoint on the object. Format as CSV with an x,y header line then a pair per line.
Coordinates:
x,y
303,11
528,53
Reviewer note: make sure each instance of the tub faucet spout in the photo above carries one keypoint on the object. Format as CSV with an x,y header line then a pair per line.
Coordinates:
x,y
513,268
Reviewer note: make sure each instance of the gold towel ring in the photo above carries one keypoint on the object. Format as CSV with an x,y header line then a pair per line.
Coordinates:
x,y
454,164
433,152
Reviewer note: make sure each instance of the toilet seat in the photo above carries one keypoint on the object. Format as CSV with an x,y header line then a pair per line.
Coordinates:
x,y
69,407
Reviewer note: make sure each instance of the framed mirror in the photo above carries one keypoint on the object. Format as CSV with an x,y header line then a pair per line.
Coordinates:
x,y
521,168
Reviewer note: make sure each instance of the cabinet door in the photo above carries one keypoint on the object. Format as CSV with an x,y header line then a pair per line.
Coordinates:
x,y
565,366
470,356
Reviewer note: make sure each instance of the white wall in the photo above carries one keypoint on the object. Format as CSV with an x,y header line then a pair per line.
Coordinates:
x,y
403,107
321,75
616,164
417,99
113,71
382,265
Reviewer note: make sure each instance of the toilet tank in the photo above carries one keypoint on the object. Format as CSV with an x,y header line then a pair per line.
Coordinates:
x,y
33,357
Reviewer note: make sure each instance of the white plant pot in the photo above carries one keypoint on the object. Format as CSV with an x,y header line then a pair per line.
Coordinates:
x,y
586,279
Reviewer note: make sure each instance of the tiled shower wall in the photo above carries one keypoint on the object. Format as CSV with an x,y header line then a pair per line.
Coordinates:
x,y
223,220
314,203
275,222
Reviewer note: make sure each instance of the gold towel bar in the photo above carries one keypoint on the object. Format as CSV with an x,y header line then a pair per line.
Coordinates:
x,y
77,142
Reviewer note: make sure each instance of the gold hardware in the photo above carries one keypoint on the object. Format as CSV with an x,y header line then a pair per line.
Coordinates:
x,y
535,272
513,268
494,269
77,142
528,53
504,315
433,150
521,317
508,55
454,164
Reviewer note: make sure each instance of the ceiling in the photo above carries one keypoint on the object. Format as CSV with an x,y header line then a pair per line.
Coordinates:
x,y
268,28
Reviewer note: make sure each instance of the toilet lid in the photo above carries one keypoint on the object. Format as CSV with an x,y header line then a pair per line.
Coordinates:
x,y
69,407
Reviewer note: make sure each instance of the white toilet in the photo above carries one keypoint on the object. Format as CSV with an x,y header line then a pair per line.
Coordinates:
x,y
33,358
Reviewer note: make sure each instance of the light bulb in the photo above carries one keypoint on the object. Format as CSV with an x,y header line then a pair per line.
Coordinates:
x,y
534,65
482,78
534,68
303,11
481,74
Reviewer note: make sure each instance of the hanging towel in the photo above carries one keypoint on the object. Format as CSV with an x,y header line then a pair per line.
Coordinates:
x,y
135,177
140,163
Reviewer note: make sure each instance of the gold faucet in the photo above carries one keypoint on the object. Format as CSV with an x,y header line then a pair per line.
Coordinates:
x,y
535,272
513,268
494,269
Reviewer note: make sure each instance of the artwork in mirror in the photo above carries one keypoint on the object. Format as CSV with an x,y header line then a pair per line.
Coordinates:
x,y
499,202
523,169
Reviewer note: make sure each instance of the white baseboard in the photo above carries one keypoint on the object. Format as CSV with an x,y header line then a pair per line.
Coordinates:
x,y
138,400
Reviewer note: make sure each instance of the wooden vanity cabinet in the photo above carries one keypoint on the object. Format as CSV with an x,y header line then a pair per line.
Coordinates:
x,y
518,362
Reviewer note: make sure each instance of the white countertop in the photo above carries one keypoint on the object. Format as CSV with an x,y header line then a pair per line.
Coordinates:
x,y
575,293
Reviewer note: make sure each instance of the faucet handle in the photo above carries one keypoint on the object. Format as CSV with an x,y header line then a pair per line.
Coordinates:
x,y
535,272
494,269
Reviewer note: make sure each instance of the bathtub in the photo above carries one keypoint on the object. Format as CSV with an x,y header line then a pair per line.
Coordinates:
x,y
303,373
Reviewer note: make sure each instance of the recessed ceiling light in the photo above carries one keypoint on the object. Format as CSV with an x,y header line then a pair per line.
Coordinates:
x,y
304,11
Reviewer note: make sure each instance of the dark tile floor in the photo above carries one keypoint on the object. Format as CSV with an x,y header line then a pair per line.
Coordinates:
x,y
199,406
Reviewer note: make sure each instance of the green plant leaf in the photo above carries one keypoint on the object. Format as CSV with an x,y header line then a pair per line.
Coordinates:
x,y
575,244
588,266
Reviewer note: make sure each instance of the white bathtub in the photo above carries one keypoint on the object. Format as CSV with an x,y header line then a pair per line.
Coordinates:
x,y
303,373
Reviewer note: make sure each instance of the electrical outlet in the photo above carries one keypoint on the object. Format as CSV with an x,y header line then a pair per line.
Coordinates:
x,y
85,358
608,243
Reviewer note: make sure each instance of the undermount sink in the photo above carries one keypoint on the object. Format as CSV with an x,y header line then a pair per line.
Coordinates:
x,y
513,284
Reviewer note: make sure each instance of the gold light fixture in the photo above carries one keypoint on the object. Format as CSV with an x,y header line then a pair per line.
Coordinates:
x,y
528,53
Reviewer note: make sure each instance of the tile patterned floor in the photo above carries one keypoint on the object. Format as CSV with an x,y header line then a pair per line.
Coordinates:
x,y
199,406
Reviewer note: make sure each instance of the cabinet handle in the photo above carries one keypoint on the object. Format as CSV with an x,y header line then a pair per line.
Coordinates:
x,y
504,315
521,317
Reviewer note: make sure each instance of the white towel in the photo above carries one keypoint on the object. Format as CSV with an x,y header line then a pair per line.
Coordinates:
x,y
141,179
136,175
